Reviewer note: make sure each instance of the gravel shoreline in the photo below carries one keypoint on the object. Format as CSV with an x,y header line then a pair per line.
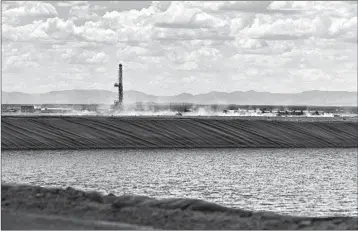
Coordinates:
x,y
149,212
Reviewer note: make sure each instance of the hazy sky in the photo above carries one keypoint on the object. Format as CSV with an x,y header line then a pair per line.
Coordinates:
x,y
172,47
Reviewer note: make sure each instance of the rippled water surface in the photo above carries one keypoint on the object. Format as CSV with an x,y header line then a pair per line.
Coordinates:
x,y
313,182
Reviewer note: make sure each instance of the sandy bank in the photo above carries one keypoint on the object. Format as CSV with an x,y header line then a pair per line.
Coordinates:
x,y
140,210
71,132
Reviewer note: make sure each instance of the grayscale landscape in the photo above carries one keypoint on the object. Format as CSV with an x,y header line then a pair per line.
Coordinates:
x,y
180,115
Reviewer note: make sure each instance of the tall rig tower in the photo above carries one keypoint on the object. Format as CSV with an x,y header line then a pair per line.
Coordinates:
x,y
118,104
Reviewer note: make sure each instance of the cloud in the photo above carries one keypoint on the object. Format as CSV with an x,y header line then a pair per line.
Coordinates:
x,y
58,29
188,66
311,75
107,6
179,16
282,29
91,31
23,33
22,13
71,3
245,6
16,61
346,28
100,69
83,13
248,43
30,8
183,34
99,58
238,6
182,46
80,56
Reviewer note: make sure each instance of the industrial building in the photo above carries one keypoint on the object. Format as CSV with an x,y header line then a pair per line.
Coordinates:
x,y
27,108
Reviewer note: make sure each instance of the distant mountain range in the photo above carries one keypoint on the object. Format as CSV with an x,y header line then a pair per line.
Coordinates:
x,y
317,98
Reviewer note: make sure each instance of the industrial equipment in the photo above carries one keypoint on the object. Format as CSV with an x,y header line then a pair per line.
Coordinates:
x,y
118,104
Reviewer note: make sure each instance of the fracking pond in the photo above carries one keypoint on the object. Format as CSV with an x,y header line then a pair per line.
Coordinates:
x,y
307,182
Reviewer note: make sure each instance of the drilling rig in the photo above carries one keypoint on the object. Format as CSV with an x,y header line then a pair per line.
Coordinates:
x,y
118,104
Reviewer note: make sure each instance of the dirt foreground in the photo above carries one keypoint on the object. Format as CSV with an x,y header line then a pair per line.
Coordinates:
x,y
32,207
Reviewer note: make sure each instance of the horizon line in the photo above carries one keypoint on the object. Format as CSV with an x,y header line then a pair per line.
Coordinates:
x,y
181,93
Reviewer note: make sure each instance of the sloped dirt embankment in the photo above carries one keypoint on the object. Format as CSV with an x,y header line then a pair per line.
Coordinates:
x,y
66,132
